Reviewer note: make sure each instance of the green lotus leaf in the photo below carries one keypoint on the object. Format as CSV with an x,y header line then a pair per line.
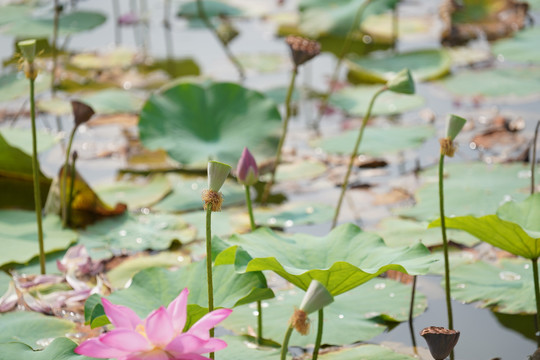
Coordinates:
x,y
239,348
497,232
264,62
120,57
15,85
507,287
11,13
470,189
212,8
60,349
41,26
299,170
525,214
174,67
342,260
32,329
279,94
224,223
22,139
380,27
5,279
135,194
358,315
365,352
18,235
293,214
424,65
521,48
194,123
377,141
457,257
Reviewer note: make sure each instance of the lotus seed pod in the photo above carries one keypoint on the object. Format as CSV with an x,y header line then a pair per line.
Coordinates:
x,y
454,124
302,49
402,83
316,297
81,112
247,171
440,341
28,49
217,174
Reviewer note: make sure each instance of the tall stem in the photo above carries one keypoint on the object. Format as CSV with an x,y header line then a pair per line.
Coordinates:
x,y
288,112
63,184
209,264
411,313
117,30
354,154
54,45
533,162
250,209
537,293
228,52
35,173
285,345
318,340
168,33
71,187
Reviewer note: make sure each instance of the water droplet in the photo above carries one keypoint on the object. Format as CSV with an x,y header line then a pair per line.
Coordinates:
x,y
122,233
145,211
264,304
379,286
509,276
392,295
341,316
272,221
367,39
180,258
310,210
45,342
460,286
537,334
289,223
371,314
127,85
526,266
139,240
472,145
500,58
250,345
194,186
255,313
161,226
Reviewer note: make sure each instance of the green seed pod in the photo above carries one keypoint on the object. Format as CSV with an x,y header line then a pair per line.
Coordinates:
x,y
217,174
454,124
28,49
317,297
402,83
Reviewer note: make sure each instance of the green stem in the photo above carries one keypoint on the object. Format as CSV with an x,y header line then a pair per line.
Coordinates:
x,y
54,45
250,209
318,340
209,278
354,154
63,183
116,15
411,313
533,162
35,173
285,345
537,293
71,187
228,52
288,112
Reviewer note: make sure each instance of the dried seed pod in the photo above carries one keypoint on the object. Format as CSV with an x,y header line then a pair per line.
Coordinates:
x,y
441,341
302,49
81,112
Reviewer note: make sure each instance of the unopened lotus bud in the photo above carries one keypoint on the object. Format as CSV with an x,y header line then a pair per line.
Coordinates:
x,y
217,174
440,341
28,49
247,171
81,112
316,298
454,124
302,49
402,83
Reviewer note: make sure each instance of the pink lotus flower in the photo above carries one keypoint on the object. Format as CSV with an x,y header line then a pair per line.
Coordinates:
x,y
158,337
247,171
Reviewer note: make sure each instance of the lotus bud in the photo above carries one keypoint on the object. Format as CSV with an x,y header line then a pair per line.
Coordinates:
x,y
316,298
247,171
81,112
402,83
454,124
217,174
28,49
440,341
302,49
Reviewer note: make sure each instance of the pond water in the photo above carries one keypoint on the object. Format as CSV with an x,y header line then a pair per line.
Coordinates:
x,y
484,335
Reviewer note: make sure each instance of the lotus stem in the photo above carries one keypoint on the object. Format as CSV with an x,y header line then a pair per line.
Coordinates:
x,y
228,52
533,162
63,182
209,278
344,51
250,209
395,26
116,15
355,153
73,174
168,34
537,294
318,339
285,345
411,313
56,22
288,112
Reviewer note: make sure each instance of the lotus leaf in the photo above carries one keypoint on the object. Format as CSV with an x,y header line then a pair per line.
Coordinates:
x,y
194,123
16,85
60,349
378,141
238,348
358,315
423,64
223,224
174,67
380,27
525,214
508,287
117,58
264,63
342,260
300,170
521,48
279,94
134,194
365,352
5,279
212,8
12,13
294,215
21,138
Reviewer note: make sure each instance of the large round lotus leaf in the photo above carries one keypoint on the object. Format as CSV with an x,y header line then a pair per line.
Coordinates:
x,y
299,170
521,48
456,257
380,27
470,189
211,8
525,214
69,24
224,223
22,139
355,101
32,328
120,57
186,194
135,194
16,85
511,84
507,287
60,349
238,348
403,232
19,239
11,13
264,63
293,214
342,260
134,233
365,352
336,17
378,141
358,315
195,123
423,64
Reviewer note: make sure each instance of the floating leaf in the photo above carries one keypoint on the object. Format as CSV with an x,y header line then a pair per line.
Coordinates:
x,y
300,170
264,63
279,94
224,223
11,13
21,138
212,8
16,85
423,64
294,214
365,352
521,48
358,315
174,67
238,348
507,287
378,141
355,101
32,328
119,57
380,27
342,260
186,194
18,235
60,349
135,194
525,214
194,123
470,189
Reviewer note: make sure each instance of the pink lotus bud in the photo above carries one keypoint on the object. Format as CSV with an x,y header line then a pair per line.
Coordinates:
x,y
247,171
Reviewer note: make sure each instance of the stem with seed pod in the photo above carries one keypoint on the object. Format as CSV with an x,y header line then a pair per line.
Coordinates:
x,y
285,345
209,278
533,162
318,340
535,261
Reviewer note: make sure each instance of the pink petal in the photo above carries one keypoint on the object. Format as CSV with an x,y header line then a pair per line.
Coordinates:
x,y
159,327
213,345
96,349
185,344
126,340
208,321
151,355
120,316
192,357
177,310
